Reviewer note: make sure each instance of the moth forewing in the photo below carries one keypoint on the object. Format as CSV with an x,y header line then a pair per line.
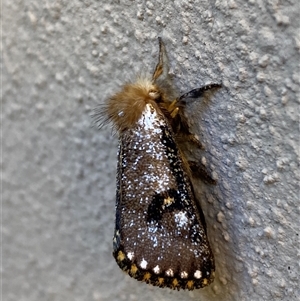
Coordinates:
x,y
159,228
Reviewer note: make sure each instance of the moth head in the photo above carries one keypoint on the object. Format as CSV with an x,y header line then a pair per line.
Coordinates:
x,y
125,107
154,93
148,88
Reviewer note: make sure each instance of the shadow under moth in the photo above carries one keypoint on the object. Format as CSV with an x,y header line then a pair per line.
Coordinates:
x,y
160,232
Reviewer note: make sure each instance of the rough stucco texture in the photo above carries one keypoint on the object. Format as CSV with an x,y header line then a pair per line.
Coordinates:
x,y
61,58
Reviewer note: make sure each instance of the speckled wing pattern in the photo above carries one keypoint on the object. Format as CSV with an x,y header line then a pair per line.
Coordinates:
x,y
160,235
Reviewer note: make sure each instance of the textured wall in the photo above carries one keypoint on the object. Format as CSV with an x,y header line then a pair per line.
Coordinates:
x,y
61,58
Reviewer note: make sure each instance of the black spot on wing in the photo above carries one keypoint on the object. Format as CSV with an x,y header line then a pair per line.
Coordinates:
x,y
157,207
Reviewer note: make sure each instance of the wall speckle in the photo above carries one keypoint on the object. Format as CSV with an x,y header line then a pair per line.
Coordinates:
x,y
61,59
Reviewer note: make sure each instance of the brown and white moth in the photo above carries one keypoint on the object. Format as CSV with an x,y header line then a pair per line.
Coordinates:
x,y
160,232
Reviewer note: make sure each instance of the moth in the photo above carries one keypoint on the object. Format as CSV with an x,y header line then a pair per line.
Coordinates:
x,y
160,232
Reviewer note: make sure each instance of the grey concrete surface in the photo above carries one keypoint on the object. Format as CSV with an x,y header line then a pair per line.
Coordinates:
x,y
61,58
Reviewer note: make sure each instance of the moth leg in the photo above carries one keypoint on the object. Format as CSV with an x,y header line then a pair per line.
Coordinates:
x,y
173,108
182,126
200,171
191,138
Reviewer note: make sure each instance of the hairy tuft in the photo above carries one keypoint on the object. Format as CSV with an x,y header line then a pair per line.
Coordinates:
x,y
125,107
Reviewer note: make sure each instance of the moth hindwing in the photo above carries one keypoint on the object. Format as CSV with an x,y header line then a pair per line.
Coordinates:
x,y
160,233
